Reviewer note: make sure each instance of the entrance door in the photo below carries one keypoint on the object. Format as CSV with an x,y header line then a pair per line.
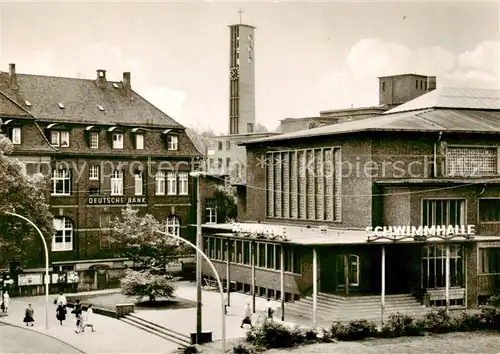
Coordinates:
x,y
347,267
434,266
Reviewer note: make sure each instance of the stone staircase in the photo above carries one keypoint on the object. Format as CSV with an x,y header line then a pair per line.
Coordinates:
x,y
338,308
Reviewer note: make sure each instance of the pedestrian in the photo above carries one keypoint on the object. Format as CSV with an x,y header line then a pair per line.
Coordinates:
x,y
5,302
61,313
247,317
62,300
88,319
28,316
78,314
269,310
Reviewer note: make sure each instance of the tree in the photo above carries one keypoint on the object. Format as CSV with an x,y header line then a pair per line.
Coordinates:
x,y
137,238
224,199
23,194
145,283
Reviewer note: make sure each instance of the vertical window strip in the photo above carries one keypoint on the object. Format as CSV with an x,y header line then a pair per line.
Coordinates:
x,y
319,185
277,185
270,184
286,184
338,185
294,185
310,185
302,184
329,181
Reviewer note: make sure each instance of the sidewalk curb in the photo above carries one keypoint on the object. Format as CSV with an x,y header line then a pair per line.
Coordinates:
x,y
45,334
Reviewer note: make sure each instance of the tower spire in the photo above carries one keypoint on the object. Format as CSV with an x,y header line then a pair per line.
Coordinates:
x,y
240,13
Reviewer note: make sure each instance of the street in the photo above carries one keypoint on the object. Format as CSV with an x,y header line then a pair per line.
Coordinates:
x,y
21,340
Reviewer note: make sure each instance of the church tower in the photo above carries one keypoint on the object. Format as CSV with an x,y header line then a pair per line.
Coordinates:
x,y
241,79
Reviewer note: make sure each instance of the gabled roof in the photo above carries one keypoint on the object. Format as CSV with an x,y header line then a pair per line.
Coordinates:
x,y
452,97
80,99
447,110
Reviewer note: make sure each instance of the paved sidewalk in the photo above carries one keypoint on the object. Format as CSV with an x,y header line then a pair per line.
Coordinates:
x,y
111,336
184,320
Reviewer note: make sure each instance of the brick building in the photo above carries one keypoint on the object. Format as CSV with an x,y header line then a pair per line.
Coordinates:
x,y
364,207
101,146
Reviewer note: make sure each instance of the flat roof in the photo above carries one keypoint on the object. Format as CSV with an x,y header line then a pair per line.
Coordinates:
x,y
314,237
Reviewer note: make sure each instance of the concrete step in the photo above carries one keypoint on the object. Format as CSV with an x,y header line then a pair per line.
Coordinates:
x,y
166,333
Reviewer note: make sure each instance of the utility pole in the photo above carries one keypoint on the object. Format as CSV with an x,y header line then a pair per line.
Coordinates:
x,y
199,260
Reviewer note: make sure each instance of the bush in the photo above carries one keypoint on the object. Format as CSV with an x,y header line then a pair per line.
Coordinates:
x,y
355,330
272,335
438,322
400,325
242,348
471,322
143,283
304,335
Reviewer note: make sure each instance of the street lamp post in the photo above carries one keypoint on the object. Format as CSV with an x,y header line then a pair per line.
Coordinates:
x,y
200,252
46,265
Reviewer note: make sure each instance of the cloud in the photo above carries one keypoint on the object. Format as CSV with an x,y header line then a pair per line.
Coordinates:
x,y
484,57
168,100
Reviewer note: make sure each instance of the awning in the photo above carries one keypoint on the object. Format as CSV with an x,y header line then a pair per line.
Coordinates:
x,y
166,131
7,122
52,125
112,128
135,130
89,127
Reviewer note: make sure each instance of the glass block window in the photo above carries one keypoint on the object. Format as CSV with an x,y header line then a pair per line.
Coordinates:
x,y
471,161
304,184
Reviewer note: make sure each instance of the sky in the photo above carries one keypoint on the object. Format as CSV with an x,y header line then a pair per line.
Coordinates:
x,y
309,56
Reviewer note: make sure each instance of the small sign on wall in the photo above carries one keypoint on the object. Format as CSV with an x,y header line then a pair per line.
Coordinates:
x,y
174,267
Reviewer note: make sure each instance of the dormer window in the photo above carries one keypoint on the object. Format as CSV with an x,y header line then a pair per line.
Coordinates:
x,y
59,138
117,141
173,142
27,103
94,140
60,105
101,108
14,134
139,141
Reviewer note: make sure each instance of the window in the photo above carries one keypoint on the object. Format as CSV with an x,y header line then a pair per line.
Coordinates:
x,y
304,184
94,172
138,184
416,84
211,215
489,210
351,263
171,183
261,254
174,227
246,253
94,191
15,135
293,260
183,183
139,141
63,238
173,142
271,257
160,183
105,226
434,266
94,140
117,141
471,161
64,139
117,183
249,127
489,260
61,182
228,163
228,145
443,212
383,86
54,138
219,145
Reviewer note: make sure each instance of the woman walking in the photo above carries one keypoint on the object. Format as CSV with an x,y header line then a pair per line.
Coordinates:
x,y
6,302
88,319
28,316
61,313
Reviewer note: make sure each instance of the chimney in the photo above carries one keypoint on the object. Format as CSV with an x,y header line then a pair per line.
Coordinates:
x,y
12,76
101,78
127,87
431,83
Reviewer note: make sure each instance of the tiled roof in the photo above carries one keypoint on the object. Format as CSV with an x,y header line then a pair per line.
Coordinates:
x,y
9,109
452,97
426,120
81,99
